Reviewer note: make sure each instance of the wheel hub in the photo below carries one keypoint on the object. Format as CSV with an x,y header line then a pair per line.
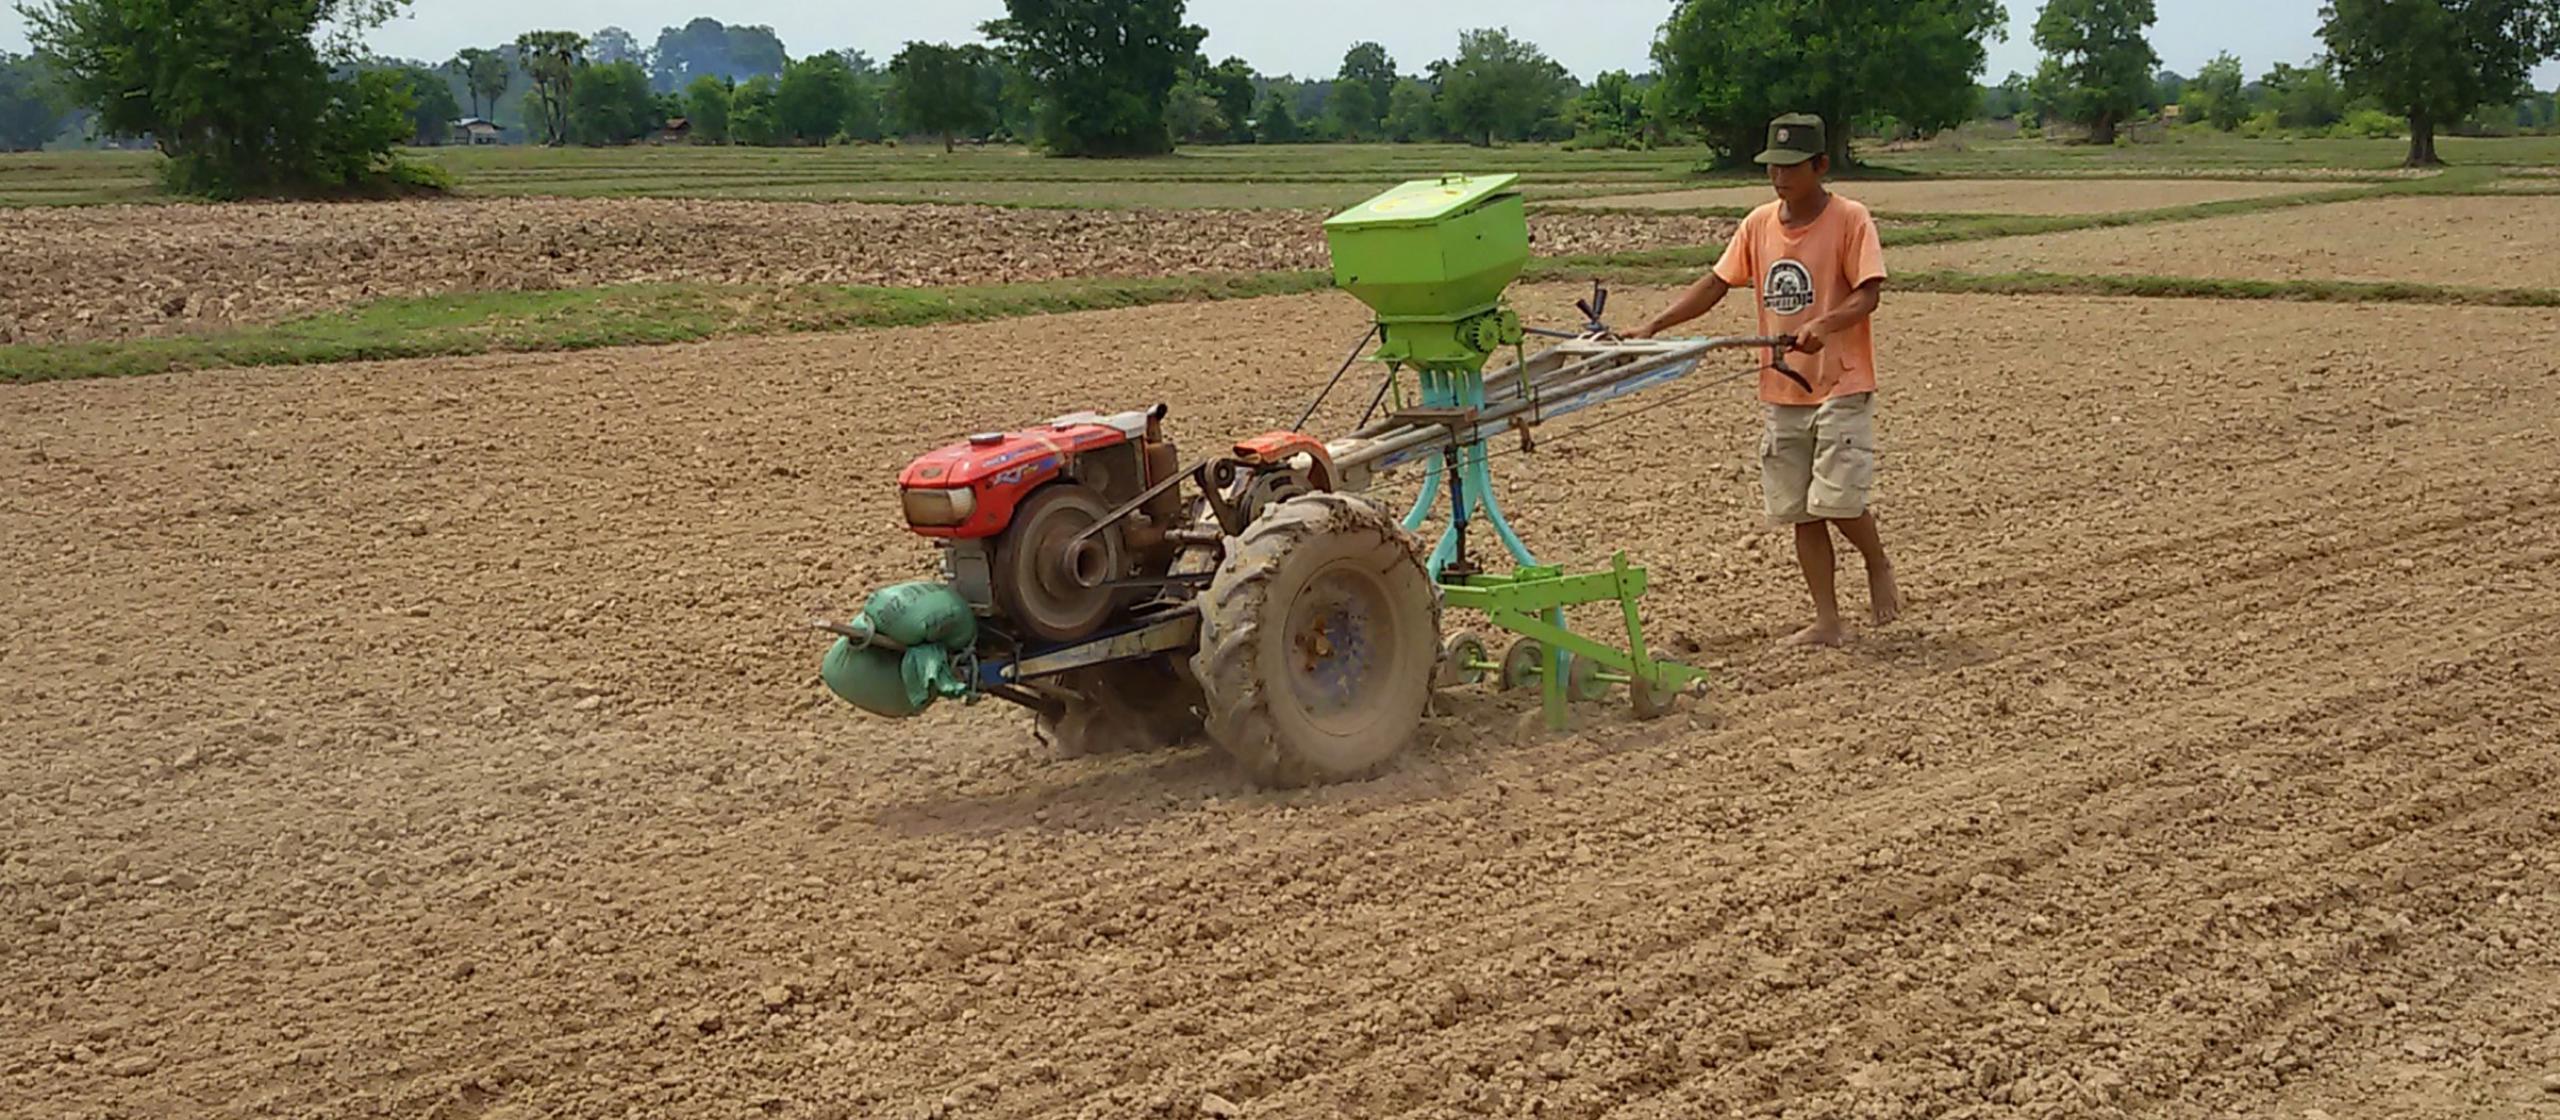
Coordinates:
x,y
1333,646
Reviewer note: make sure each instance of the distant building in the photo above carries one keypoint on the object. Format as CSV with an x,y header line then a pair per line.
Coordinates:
x,y
676,131
474,130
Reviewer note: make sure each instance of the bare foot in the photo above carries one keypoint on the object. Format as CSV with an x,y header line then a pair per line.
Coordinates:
x,y
1819,634
1882,595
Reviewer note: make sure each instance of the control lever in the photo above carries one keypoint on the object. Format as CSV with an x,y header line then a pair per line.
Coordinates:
x,y
1778,361
1593,307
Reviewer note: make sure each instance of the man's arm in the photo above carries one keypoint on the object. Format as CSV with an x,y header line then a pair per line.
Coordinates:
x,y
1860,304
1702,297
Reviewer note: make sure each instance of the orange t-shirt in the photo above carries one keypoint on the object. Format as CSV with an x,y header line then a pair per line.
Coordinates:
x,y
1801,274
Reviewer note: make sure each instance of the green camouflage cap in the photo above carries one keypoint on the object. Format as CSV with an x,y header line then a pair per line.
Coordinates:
x,y
1795,138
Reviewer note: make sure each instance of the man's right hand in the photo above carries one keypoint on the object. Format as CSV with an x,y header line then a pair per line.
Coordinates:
x,y
1644,332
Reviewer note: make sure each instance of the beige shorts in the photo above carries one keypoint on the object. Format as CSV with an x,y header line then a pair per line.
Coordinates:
x,y
1818,462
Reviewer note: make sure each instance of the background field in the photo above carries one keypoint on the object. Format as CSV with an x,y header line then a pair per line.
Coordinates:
x,y
2499,242
1317,175
1972,196
439,736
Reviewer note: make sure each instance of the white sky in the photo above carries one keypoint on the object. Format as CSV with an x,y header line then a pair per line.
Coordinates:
x,y
1301,37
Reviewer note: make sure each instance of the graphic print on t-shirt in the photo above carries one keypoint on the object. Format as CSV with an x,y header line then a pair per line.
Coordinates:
x,y
1789,288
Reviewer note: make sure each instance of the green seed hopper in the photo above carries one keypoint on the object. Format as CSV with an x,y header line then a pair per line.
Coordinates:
x,y
1432,258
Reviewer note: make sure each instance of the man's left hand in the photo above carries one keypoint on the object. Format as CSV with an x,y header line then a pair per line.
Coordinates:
x,y
1809,337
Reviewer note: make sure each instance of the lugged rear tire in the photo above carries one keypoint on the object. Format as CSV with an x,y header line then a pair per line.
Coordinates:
x,y
1319,641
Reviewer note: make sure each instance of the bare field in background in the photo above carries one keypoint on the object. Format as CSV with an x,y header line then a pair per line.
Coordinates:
x,y
2511,242
115,272
1979,196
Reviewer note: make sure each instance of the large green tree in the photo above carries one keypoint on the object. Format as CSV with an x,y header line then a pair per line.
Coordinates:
x,y
484,76
706,46
550,61
1011,95
2098,60
613,44
239,94
752,116
1498,87
2217,94
706,104
866,114
1368,66
1610,112
31,109
1191,112
2434,61
610,103
1274,122
815,98
2304,96
938,89
1353,112
1729,66
1103,68
1231,84
1411,114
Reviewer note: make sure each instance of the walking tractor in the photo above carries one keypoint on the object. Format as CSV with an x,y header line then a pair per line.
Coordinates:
x,y
1129,599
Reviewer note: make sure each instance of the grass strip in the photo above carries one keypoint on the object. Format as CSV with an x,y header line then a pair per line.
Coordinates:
x,y
622,315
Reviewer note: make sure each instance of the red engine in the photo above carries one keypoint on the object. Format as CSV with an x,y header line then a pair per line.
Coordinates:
x,y
1004,506
969,490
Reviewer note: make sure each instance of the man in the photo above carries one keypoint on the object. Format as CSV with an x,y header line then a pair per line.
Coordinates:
x,y
1818,266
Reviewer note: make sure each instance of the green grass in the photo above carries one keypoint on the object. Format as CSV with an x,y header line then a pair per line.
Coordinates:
x,y
624,315
1294,176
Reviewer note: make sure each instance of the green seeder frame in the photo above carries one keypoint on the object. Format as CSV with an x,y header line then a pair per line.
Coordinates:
x,y
1530,600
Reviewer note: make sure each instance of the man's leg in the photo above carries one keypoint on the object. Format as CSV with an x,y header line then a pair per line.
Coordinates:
x,y
1786,477
1883,597
1843,478
1813,554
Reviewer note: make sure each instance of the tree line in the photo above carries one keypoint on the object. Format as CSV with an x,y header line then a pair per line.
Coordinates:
x,y
1104,77
2423,64
1107,78
2288,99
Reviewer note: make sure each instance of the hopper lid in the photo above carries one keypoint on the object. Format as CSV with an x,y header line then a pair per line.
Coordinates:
x,y
1423,201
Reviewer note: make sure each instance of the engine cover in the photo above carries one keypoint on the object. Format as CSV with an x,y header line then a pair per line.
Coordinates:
x,y
993,472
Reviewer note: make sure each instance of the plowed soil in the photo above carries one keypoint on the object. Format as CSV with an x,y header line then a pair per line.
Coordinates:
x,y
2473,241
1981,196
436,739
121,271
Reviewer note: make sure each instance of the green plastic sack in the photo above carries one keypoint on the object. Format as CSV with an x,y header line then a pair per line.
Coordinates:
x,y
923,613
933,622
